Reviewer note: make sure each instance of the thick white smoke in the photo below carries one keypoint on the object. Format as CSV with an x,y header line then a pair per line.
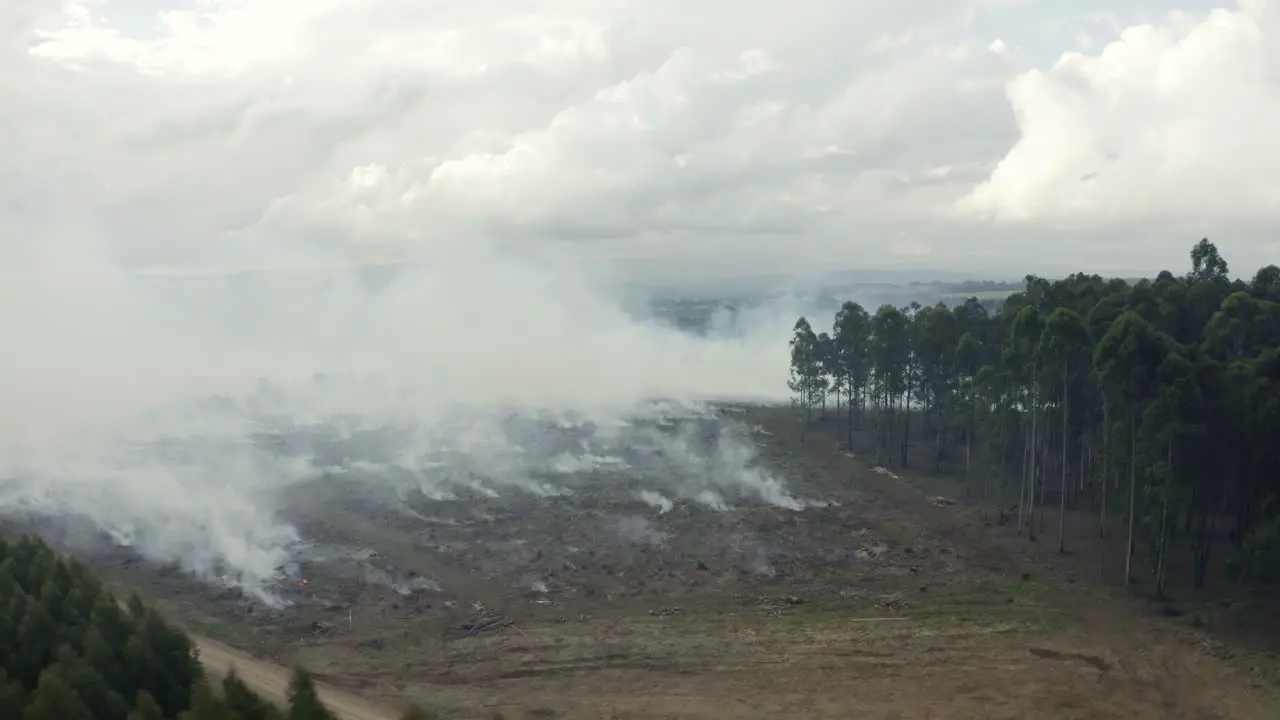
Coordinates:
x,y
171,411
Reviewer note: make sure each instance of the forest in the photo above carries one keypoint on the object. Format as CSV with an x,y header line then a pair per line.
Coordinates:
x,y
1154,403
70,651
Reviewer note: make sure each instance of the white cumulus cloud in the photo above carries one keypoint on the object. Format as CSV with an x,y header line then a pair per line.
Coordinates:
x,y
1167,124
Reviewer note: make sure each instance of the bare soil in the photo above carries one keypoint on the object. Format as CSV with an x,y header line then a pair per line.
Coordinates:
x,y
895,601
271,681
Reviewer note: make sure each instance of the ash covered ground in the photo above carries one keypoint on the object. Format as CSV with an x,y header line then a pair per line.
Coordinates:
x,y
561,513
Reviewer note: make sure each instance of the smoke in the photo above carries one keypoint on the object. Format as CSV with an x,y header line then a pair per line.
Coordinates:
x,y
172,412
655,500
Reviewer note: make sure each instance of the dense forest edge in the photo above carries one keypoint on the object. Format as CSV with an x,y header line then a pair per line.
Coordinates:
x,y
72,651
1153,403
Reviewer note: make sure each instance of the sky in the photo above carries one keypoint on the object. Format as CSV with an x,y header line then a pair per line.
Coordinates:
x,y
989,137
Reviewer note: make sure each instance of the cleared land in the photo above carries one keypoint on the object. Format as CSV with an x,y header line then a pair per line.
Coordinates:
x,y
895,601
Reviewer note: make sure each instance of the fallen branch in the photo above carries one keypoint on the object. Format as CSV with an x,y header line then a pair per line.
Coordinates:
x,y
482,620
775,605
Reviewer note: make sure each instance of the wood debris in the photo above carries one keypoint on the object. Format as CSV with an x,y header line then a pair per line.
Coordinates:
x,y
1212,648
893,602
941,501
665,612
885,471
775,605
482,620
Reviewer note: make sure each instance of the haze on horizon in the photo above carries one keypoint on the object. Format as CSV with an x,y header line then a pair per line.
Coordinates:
x,y
523,164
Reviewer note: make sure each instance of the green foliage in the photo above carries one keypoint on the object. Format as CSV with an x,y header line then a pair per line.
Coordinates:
x,y
244,702
72,653
1168,389
304,703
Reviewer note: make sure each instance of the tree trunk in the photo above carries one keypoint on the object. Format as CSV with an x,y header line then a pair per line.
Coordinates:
x,y
1082,463
1026,474
1000,459
1201,551
839,417
968,455
1062,500
937,448
1042,464
880,411
1036,431
1163,544
906,429
1106,471
849,426
1133,494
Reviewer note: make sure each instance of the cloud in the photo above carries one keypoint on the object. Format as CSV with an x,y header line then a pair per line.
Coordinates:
x,y
375,129
363,131
1169,124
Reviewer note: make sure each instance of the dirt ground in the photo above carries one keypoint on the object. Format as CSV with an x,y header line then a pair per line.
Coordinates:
x,y
271,681
893,601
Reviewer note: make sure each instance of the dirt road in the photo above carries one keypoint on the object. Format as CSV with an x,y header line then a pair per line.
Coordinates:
x,y
271,681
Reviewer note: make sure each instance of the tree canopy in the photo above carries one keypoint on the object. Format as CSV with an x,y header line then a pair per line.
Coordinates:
x,y
71,652
1165,391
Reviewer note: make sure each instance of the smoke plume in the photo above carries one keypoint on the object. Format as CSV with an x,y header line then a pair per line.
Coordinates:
x,y
172,411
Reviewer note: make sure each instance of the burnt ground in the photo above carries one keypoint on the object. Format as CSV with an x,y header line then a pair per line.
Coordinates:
x,y
894,600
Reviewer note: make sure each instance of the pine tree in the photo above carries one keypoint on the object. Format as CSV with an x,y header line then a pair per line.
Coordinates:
x,y
105,702
12,697
206,706
246,704
146,708
55,699
304,702
36,637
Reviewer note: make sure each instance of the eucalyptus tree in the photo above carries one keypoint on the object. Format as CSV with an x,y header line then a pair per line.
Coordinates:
x,y
890,355
1064,345
912,387
935,342
852,337
1126,359
828,370
806,370
1168,388
1024,359
966,366
1172,415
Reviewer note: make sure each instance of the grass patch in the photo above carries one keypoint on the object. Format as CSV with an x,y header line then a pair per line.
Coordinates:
x,y
218,630
1206,613
992,601
1006,587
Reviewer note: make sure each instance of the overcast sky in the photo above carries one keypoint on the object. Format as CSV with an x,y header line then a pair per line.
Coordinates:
x,y
994,136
